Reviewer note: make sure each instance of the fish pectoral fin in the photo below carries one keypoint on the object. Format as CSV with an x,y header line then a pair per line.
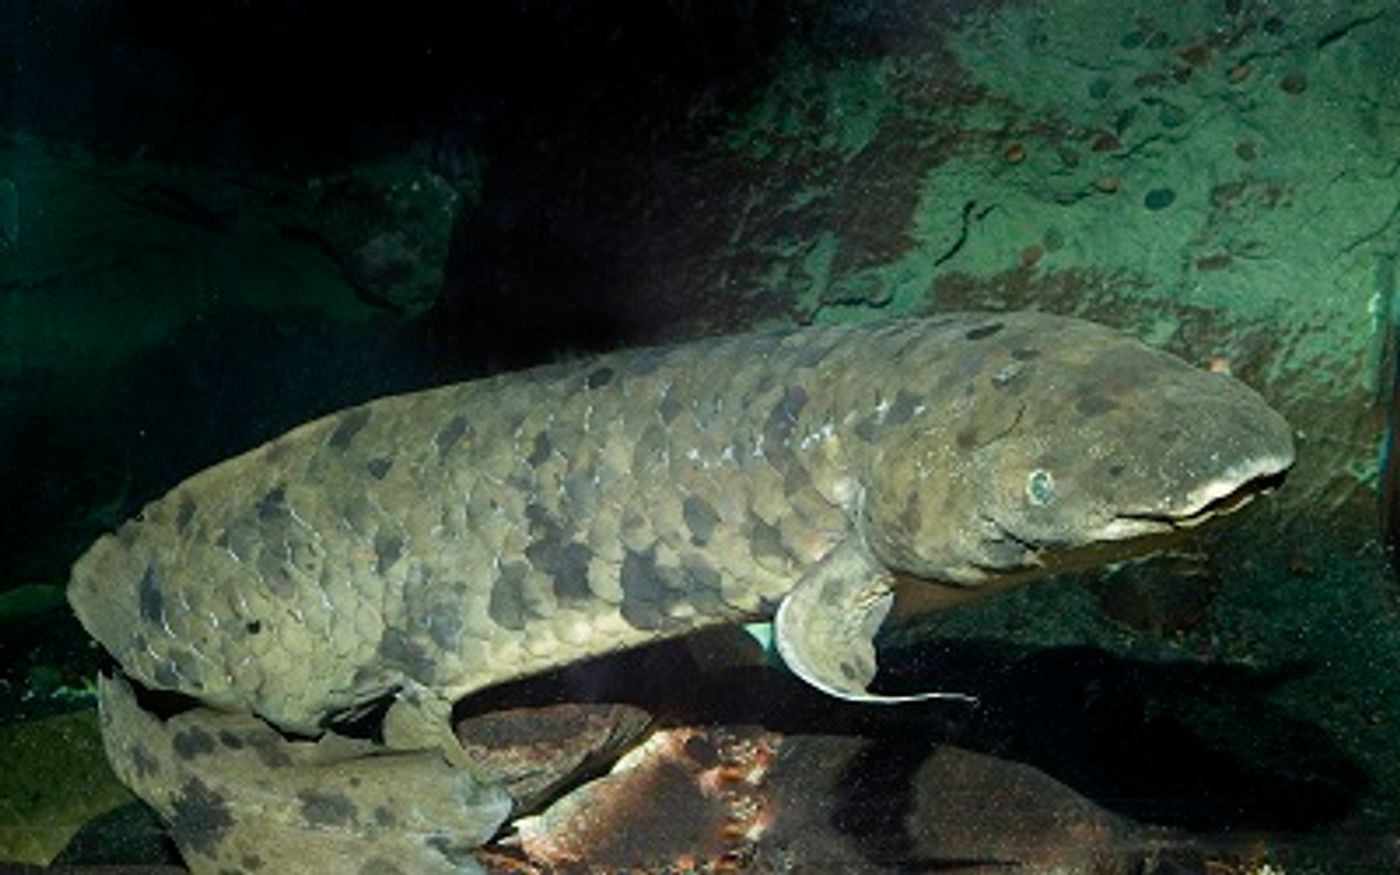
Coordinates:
x,y
420,719
825,627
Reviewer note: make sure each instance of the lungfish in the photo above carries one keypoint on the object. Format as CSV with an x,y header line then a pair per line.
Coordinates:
x,y
420,547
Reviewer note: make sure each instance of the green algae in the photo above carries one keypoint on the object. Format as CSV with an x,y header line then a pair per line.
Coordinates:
x,y
56,779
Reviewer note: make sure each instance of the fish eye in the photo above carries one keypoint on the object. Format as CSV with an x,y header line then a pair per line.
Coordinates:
x,y
1040,487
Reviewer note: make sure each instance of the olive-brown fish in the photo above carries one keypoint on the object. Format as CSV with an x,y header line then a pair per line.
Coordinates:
x,y
431,544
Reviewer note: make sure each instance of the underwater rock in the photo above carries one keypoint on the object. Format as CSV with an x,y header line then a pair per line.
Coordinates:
x,y
388,228
688,799
55,780
971,806
863,805
741,798
535,750
125,837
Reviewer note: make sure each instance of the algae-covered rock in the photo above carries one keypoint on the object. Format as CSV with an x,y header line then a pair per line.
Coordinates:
x,y
56,778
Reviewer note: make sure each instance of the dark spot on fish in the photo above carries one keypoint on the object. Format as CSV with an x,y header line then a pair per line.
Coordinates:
x,y
542,523
868,429
149,598
783,417
240,539
449,435
796,478
185,514
541,451
350,425
268,747
639,578
379,866
701,573
966,439
644,592
199,818
580,496
1168,436
358,515
1115,470
253,627
905,403
378,468
848,671
272,567
913,516
651,447
384,817
984,331
777,434
570,572
507,605
326,809
704,588
444,623
670,406
146,765
1025,354
766,541
252,862
230,740
700,517
566,562
598,378
388,549
192,742
273,506
1094,404
401,650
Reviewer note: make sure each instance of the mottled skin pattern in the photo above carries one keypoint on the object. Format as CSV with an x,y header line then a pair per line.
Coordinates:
x,y
435,543
238,797
470,534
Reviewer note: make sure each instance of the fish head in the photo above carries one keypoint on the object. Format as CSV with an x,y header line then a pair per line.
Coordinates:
x,y
120,590
1094,445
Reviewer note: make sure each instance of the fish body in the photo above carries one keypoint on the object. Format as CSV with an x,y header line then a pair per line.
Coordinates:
x,y
431,544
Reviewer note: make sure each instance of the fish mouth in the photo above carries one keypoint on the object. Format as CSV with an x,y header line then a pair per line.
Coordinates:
x,y
1130,533
1217,497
